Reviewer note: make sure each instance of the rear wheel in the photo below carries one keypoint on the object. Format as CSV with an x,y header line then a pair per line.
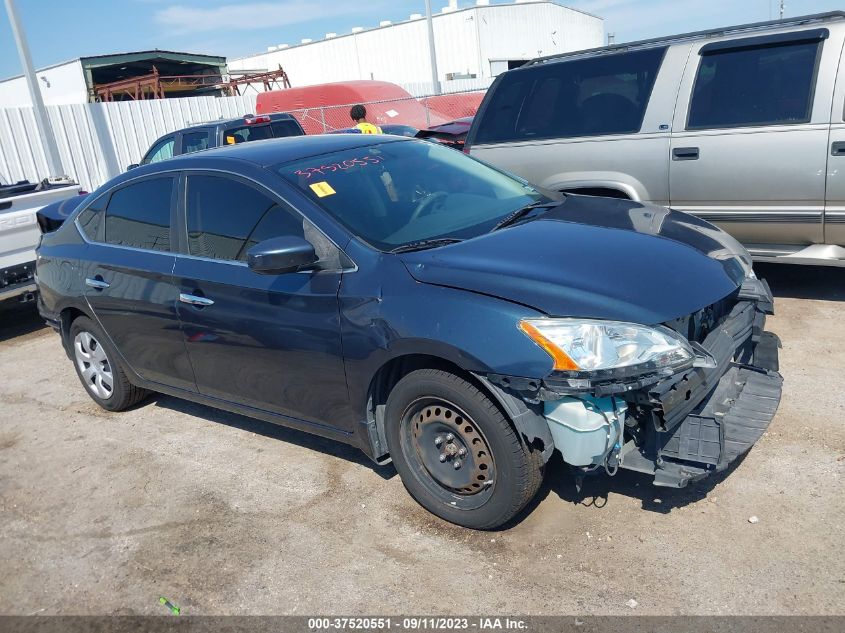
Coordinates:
x,y
95,361
456,453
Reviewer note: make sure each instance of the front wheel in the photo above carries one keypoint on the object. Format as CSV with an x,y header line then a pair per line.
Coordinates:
x,y
456,452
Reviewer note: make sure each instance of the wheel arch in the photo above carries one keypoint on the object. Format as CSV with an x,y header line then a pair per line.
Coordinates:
x,y
601,192
526,418
66,318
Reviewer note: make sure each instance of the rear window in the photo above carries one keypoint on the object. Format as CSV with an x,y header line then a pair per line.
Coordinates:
x,y
245,133
593,96
261,131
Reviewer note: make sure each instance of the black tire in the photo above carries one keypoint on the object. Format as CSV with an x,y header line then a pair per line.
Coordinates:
x,y
99,371
421,411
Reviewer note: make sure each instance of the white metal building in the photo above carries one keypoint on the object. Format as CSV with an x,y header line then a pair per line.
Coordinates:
x,y
473,44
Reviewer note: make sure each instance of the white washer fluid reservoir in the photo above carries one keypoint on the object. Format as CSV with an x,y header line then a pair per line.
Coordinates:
x,y
585,429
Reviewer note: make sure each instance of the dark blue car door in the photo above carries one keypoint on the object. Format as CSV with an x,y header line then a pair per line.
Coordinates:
x,y
129,285
271,342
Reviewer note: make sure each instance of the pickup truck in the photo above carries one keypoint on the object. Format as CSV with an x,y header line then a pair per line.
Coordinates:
x,y
19,232
218,133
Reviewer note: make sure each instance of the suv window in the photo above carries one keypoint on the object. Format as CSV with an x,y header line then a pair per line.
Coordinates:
x,y
593,96
767,85
227,217
138,215
160,151
195,141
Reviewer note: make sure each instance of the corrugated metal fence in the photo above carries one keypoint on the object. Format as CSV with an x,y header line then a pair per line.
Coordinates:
x,y
98,140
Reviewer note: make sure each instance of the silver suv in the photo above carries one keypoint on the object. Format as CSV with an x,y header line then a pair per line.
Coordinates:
x,y
743,126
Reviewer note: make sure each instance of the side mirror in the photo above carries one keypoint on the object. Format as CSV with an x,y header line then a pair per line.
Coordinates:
x,y
132,166
280,255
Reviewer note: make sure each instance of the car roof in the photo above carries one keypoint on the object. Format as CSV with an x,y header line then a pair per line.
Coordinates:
x,y
281,150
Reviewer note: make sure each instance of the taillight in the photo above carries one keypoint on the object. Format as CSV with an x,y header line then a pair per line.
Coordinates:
x,y
256,119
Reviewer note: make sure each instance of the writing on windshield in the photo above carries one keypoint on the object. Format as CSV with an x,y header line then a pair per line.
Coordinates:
x,y
308,172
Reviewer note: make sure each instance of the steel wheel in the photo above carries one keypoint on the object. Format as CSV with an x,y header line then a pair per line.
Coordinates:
x,y
453,457
95,369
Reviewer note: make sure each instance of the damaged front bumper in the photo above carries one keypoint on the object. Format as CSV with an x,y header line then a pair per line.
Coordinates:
x,y
701,420
682,427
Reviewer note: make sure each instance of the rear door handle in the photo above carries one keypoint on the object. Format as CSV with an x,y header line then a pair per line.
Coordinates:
x,y
837,148
685,153
97,283
194,300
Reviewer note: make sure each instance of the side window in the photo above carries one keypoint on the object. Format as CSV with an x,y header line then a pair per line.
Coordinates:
x,y
161,151
90,219
765,85
195,141
138,215
593,96
226,218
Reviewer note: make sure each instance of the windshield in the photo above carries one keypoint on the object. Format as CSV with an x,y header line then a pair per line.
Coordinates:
x,y
397,193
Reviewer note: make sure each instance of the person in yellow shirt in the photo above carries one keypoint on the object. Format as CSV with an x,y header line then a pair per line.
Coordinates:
x,y
359,115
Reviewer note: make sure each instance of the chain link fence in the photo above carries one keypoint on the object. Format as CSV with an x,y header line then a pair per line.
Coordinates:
x,y
414,112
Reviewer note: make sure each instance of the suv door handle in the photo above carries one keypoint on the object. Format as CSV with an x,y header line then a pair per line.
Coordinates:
x,y
685,153
194,300
837,148
97,283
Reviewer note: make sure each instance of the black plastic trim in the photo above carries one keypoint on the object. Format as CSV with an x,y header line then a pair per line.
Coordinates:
x,y
765,41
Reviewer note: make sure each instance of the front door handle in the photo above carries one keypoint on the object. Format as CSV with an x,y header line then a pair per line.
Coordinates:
x,y
837,148
97,283
685,153
194,300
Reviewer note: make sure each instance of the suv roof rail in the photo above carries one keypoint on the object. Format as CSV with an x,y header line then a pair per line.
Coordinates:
x,y
672,39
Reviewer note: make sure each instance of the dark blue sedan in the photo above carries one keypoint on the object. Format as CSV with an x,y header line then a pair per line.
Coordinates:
x,y
427,308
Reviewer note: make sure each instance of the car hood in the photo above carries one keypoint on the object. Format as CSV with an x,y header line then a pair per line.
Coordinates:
x,y
595,258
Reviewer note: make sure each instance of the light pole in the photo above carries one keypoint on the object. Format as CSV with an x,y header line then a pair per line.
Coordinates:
x,y
42,121
434,80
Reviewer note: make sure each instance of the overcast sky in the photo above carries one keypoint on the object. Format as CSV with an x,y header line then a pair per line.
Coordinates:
x,y
60,30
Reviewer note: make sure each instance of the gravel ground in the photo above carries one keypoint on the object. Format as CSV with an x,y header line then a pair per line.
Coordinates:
x,y
103,513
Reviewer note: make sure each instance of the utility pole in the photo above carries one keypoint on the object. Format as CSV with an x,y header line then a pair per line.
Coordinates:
x,y
782,7
434,80
42,121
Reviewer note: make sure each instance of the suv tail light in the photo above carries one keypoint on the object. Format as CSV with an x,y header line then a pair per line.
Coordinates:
x,y
256,119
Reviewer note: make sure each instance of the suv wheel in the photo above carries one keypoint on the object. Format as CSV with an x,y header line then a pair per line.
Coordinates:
x,y
456,453
95,361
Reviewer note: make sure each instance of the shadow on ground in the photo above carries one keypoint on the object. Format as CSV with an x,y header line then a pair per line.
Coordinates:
x,y
826,283
19,319
273,431
558,481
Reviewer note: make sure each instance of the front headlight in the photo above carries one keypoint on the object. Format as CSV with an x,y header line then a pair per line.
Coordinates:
x,y
587,346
